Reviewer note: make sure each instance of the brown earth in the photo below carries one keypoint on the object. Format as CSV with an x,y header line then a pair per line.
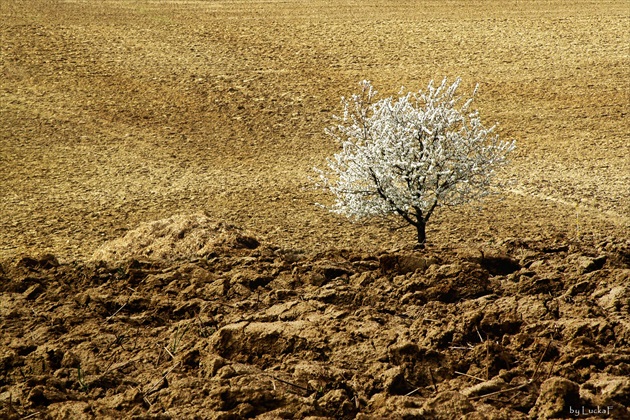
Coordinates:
x,y
242,330
115,113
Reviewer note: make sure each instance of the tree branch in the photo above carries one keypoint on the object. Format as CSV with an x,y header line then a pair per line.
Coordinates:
x,y
384,196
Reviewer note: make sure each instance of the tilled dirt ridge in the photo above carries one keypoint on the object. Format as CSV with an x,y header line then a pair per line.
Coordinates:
x,y
528,330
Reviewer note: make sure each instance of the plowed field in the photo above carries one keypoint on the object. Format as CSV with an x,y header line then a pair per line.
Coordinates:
x,y
117,113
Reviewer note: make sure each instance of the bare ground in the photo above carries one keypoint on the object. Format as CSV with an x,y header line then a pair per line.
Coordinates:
x,y
118,113
244,330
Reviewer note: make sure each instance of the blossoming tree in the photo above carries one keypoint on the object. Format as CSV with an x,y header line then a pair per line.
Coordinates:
x,y
409,156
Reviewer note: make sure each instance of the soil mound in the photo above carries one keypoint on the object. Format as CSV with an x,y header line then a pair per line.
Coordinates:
x,y
272,333
180,237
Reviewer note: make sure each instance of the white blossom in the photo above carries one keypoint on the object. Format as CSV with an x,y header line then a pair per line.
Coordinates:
x,y
411,155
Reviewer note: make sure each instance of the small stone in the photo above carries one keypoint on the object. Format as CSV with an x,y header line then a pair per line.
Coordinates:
x,y
361,279
36,396
336,401
608,389
315,278
588,264
212,365
394,381
615,299
402,264
82,298
556,396
581,287
226,372
70,360
446,406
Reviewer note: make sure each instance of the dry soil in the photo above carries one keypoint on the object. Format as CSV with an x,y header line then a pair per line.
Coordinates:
x,y
247,299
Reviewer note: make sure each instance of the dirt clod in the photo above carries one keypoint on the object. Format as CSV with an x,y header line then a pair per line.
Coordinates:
x,y
446,341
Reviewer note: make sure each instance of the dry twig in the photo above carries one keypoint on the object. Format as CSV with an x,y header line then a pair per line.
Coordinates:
x,y
412,392
470,376
114,314
542,356
500,391
148,391
305,389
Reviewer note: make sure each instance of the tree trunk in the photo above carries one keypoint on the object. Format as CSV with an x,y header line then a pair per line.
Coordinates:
x,y
422,234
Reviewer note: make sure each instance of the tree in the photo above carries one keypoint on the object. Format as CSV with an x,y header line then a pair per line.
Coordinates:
x,y
411,155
